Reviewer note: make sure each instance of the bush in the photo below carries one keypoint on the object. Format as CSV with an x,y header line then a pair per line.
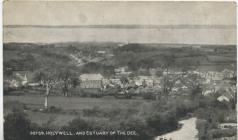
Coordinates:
x,y
14,105
14,91
95,95
53,109
211,114
202,127
7,90
95,111
82,94
78,124
148,96
137,124
161,123
184,107
109,113
16,126
217,133
123,96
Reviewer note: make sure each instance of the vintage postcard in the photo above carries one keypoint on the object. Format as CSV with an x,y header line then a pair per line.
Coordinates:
x,y
119,70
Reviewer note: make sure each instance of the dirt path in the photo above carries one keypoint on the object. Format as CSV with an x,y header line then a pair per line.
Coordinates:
x,y
187,132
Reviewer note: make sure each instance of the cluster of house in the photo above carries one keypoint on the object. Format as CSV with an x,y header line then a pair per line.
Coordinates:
x,y
17,79
211,81
214,82
217,76
81,59
98,81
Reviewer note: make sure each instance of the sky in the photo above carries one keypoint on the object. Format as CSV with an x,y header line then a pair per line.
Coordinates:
x,y
124,13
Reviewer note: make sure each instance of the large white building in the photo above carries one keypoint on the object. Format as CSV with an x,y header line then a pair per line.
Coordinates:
x,y
91,81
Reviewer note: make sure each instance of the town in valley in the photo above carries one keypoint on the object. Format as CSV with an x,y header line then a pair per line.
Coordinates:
x,y
54,83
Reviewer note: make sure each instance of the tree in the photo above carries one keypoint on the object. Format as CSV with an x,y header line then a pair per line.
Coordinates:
x,y
196,93
48,78
146,63
67,80
194,83
124,80
159,73
161,123
167,83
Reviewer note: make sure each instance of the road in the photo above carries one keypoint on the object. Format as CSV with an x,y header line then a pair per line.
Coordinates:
x,y
188,131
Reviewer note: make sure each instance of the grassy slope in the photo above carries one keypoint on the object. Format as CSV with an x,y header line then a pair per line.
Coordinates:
x,y
75,103
69,104
204,58
216,59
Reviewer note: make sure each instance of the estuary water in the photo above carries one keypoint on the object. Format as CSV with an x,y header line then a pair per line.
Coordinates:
x,y
131,35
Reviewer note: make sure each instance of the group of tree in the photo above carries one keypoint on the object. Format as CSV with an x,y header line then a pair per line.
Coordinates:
x,y
62,77
94,67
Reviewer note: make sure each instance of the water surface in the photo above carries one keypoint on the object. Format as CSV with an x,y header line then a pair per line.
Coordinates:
x,y
128,35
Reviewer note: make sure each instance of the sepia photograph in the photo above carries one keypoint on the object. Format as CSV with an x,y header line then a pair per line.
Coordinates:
x,y
119,70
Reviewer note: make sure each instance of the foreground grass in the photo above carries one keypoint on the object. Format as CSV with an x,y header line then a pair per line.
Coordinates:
x,y
70,108
147,117
76,103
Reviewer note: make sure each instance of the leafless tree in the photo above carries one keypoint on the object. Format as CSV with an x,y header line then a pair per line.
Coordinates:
x,y
48,79
67,80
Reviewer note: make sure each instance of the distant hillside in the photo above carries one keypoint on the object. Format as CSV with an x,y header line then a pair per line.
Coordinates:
x,y
31,56
207,57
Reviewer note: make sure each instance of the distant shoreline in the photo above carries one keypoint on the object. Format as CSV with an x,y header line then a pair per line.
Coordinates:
x,y
127,26
179,45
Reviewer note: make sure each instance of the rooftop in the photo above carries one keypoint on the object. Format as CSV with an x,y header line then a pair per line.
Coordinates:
x,y
85,77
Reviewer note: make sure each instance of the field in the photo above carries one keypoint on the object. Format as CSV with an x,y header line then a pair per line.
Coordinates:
x,y
71,106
